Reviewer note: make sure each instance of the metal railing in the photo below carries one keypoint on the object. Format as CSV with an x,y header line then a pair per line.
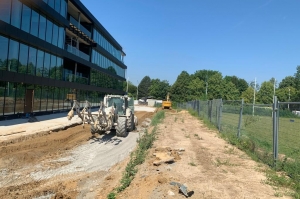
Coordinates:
x,y
82,28
271,131
77,52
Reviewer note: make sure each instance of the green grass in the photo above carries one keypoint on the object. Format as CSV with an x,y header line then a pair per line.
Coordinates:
x,y
138,156
257,141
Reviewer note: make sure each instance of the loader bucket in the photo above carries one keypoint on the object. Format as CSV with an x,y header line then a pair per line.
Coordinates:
x,y
70,114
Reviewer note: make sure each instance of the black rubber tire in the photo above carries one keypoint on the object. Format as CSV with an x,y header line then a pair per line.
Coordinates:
x,y
121,128
93,128
130,126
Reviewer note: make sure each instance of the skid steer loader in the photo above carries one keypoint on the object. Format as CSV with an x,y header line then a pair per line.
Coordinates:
x,y
116,112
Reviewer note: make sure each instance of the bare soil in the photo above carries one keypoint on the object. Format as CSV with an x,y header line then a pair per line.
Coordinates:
x,y
208,166
22,156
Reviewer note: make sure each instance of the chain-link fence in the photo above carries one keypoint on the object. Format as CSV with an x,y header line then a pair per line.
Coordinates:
x,y
270,131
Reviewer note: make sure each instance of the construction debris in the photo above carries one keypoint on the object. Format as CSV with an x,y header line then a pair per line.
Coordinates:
x,y
182,189
165,155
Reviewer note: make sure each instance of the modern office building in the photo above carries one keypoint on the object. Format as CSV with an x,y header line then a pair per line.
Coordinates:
x,y
53,51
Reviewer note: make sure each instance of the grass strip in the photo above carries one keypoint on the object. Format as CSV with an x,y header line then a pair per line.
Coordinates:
x,y
138,156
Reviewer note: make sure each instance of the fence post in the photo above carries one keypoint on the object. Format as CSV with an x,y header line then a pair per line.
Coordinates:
x,y
275,131
198,107
220,115
240,119
210,111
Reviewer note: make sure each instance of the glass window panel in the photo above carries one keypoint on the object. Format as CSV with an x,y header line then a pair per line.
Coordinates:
x,y
49,31
55,35
61,37
59,69
4,51
51,3
46,1
37,98
20,94
42,27
57,5
5,11
13,55
26,12
52,67
23,59
16,13
39,63
34,29
32,61
46,65
10,98
63,8
44,98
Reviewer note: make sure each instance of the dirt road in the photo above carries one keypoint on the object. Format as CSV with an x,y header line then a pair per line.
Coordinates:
x,y
62,164
208,166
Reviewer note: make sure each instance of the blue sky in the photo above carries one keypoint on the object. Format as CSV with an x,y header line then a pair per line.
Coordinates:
x,y
246,38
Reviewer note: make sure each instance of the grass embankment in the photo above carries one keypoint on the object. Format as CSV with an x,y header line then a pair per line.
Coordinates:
x,y
257,141
138,156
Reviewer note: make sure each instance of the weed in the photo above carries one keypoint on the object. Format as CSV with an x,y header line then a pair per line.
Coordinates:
x,y
138,156
230,151
192,164
175,119
196,135
182,120
187,136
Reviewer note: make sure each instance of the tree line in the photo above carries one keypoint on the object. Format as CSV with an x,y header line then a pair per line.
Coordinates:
x,y
210,84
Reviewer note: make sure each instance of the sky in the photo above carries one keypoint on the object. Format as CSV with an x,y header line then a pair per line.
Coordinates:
x,y
246,38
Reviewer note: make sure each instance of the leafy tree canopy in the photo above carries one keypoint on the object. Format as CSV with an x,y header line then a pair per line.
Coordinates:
x,y
265,93
179,90
144,87
248,95
288,81
159,89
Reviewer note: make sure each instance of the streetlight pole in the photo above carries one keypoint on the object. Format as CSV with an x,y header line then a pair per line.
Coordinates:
x,y
254,97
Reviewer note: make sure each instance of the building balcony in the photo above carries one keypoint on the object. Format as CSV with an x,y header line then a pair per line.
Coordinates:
x,y
81,28
77,52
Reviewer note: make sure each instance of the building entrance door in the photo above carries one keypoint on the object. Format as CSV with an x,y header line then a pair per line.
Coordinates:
x,y
29,101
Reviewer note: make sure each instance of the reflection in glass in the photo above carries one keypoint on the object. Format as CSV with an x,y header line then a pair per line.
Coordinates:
x,y
57,5
52,68
61,37
23,59
13,56
34,23
49,31
32,61
16,13
5,11
46,65
3,52
39,63
55,35
42,27
63,9
26,12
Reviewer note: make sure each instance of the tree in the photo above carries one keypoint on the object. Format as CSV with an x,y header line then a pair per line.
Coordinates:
x,y
248,95
288,81
144,87
196,89
159,89
204,75
297,78
285,93
265,93
239,83
179,90
215,86
230,92
131,89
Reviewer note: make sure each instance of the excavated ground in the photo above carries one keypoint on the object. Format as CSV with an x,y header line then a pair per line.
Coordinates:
x,y
61,164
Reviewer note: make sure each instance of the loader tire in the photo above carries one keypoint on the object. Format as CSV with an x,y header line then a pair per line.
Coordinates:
x,y
121,128
94,128
130,126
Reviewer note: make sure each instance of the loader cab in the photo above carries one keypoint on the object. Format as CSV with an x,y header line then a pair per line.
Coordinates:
x,y
119,102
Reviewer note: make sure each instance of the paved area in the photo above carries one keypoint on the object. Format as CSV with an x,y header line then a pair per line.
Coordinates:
x,y
51,122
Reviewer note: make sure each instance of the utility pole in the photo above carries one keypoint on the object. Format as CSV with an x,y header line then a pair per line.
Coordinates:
x,y
206,86
274,89
289,98
254,97
127,85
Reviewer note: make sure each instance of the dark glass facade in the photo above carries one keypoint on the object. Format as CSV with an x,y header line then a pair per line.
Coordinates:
x,y
43,53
